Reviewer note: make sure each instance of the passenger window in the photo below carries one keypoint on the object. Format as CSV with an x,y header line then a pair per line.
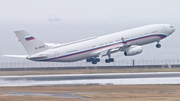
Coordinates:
x,y
93,46
118,40
101,44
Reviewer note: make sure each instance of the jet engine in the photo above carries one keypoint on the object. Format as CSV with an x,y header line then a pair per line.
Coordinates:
x,y
133,50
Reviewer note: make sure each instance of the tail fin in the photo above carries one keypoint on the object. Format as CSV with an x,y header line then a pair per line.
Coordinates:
x,y
30,43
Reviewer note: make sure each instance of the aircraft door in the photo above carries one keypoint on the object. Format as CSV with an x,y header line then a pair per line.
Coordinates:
x,y
164,29
56,54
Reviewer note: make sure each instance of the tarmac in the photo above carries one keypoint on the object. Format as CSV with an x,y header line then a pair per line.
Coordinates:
x,y
89,79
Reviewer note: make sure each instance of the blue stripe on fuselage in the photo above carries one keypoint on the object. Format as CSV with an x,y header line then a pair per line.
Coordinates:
x,y
71,54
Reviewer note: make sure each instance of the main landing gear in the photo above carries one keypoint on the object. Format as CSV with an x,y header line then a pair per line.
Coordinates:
x,y
109,58
96,60
158,45
93,60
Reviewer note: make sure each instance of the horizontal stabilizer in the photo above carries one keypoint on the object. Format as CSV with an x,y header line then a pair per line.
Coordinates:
x,y
37,56
16,56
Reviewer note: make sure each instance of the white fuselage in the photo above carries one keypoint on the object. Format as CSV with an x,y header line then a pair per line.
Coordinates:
x,y
84,49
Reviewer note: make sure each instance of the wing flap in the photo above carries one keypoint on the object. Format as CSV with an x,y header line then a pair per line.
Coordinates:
x,y
115,48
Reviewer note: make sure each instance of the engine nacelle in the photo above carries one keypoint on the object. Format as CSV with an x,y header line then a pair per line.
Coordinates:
x,y
133,50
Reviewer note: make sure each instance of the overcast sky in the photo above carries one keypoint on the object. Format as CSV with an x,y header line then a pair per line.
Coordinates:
x,y
89,9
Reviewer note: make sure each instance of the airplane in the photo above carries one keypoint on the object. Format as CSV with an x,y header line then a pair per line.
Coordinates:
x,y
129,41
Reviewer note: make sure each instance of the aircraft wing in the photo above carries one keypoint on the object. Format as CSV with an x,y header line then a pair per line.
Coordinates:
x,y
114,48
16,56
105,51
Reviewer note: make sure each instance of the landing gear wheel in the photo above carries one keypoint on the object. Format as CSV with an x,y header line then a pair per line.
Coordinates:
x,y
94,62
158,45
111,60
88,60
107,61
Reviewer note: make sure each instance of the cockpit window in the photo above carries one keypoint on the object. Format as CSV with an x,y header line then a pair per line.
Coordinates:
x,y
171,27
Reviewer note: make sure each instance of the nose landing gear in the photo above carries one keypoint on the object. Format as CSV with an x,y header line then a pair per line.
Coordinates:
x,y
158,45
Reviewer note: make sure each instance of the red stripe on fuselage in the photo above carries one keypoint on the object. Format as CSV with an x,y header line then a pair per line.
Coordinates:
x,y
161,36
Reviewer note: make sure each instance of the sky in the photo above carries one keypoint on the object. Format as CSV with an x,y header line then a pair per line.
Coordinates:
x,y
113,16
89,9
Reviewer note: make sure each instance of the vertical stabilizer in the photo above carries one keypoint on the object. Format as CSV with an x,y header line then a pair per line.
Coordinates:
x,y
30,43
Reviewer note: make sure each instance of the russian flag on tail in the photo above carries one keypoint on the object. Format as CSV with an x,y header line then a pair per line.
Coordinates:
x,y
28,38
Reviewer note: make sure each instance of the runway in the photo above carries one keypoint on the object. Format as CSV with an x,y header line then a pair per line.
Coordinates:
x,y
85,79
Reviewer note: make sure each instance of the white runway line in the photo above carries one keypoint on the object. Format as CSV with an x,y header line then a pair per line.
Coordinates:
x,y
172,80
128,81
90,74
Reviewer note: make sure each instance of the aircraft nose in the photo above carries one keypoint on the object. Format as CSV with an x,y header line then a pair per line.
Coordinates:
x,y
172,28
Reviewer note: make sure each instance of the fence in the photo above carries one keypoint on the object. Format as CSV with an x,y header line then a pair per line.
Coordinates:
x,y
30,64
